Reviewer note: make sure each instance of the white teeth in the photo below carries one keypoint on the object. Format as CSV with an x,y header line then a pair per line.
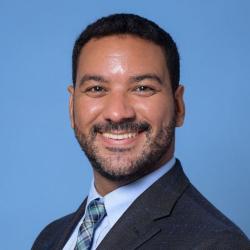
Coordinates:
x,y
119,136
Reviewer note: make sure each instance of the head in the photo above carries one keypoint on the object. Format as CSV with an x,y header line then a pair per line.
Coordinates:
x,y
126,99
130,24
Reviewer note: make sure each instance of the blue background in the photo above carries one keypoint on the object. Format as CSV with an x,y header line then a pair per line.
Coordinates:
x,y
44,175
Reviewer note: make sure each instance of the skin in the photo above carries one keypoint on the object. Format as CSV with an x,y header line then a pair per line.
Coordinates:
x,y
123,78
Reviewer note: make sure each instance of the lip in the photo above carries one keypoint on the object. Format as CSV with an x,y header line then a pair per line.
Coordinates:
x,y
120,139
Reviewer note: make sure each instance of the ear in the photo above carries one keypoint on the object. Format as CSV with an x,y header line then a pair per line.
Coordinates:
x,y
179,106
71,104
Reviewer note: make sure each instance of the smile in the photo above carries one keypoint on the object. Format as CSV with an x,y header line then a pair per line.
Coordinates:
x,y
115,136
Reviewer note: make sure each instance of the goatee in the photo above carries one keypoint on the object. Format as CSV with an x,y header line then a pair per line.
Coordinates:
x,y
117,166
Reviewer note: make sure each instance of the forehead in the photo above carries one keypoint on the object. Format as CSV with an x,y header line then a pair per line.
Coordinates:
x,y
125,53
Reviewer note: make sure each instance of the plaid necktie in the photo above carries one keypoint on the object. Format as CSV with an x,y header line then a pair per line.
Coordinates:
x,y
94,215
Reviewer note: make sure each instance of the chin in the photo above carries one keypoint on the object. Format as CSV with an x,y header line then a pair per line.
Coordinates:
x,y
124,169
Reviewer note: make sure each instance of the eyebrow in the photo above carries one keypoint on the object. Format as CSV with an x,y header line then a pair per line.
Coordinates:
x,y
136,79
96,78
132,79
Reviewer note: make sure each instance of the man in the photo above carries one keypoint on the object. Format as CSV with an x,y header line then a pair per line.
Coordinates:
x,y
125,103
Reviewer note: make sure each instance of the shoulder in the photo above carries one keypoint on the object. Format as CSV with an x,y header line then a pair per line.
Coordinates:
x,y
186,217
194,223
52,233
202,211
204,225
226,240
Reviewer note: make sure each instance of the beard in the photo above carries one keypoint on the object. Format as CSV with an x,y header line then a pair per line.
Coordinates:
x,y
120,164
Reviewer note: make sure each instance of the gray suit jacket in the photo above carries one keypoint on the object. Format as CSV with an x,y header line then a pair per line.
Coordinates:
x,y
171,214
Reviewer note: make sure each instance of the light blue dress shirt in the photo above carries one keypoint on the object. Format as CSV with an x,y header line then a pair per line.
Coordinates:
x,y
116,203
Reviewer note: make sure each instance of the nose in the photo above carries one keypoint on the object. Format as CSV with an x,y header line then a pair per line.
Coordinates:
x,y
118,108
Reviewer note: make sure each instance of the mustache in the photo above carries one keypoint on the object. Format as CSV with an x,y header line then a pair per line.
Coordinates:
x,y
131,126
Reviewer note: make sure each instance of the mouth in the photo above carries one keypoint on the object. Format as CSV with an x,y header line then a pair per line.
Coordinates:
x,y
125,135
119,136
120,139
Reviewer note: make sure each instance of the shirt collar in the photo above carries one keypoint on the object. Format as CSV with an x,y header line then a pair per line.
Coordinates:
x,y
118,201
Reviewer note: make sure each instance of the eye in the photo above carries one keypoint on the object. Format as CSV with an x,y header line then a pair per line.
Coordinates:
x,y
95,91
145,90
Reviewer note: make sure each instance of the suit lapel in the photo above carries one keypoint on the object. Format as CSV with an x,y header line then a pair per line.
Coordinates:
x,y
62,239
139,223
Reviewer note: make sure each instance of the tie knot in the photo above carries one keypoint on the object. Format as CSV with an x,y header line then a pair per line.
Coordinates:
x,y
95,211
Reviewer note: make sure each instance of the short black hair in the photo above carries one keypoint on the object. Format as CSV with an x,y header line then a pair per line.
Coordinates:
x,y
131,24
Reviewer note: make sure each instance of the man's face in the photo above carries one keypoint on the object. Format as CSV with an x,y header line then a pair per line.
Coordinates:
x,y
123,109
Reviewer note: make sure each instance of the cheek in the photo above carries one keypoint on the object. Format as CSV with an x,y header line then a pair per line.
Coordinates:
x,y
157,112
86,111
